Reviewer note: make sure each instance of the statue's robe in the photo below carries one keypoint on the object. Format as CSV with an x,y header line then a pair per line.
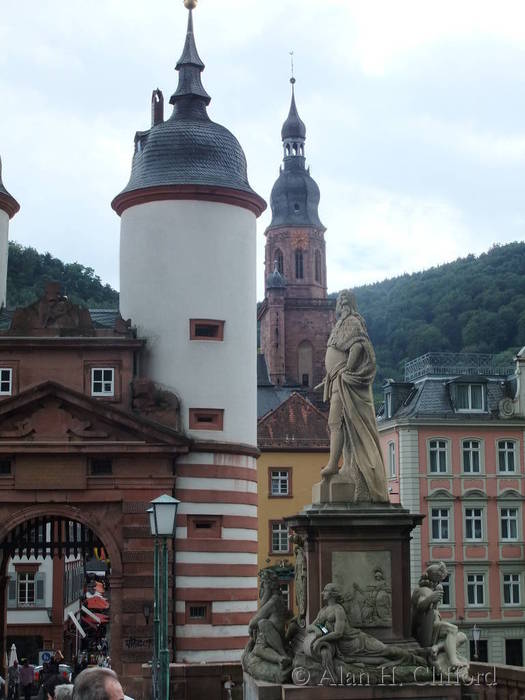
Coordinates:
x,y
354,384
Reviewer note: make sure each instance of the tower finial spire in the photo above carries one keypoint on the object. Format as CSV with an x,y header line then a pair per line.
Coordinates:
x,y
190,65
292,77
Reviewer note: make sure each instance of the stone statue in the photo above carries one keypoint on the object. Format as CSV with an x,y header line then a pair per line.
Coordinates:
x,y
350,371
333,636
441,637
265,657
300,576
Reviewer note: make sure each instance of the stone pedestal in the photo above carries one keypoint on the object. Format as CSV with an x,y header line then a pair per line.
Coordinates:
x,y
365,549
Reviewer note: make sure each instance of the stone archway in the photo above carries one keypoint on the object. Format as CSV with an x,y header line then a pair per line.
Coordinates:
x,y
103,530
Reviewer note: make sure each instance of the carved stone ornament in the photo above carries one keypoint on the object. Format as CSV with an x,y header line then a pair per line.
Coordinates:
x,y
156,403
265,657
507,408
333,647
52,311
51,420
440,638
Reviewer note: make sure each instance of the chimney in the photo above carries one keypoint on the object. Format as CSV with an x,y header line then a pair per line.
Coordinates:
x,y
157,107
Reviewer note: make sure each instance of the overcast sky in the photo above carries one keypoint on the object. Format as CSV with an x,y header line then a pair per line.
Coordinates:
x,y
415,115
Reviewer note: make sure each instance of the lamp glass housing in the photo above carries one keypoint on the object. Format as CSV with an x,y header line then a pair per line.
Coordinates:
x,y
164,516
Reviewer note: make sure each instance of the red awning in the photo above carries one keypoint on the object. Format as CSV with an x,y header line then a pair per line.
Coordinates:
x,y
96,602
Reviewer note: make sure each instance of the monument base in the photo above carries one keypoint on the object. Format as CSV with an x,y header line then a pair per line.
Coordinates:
x,y
364,548
259,690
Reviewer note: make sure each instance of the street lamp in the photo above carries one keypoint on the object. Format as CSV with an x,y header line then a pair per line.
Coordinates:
x,y
476,635
162,520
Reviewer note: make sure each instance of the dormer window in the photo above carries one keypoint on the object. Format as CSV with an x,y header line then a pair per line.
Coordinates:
x,y
102,381
470,397
6,381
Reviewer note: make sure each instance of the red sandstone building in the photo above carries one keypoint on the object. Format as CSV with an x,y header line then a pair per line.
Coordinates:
x,y
453,442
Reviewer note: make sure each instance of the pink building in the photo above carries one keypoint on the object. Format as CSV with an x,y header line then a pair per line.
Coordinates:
x,y
453,441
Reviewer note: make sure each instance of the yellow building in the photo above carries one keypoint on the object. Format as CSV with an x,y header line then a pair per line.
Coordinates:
x,y
294,444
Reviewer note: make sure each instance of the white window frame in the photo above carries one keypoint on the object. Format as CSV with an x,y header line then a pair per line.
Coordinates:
x,y
469,408
103,381
436,515
280,529
279,477
388,404
474,517
448,585
25,581
392,469
7,379
506,451
476,575
467,448
512,585
516,519
442,448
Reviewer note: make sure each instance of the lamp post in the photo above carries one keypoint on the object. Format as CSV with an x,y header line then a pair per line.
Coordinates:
x,y
476,635
162,518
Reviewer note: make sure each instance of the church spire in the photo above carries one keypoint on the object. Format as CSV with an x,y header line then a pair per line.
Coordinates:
x,y
190,89
293,132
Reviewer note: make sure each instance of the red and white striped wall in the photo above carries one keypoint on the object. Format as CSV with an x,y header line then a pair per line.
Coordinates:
x,y
218,569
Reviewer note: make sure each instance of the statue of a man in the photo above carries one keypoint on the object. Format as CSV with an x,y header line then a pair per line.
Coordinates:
x,y
350,371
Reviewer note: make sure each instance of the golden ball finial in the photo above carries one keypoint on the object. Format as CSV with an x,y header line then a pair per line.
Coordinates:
x,y
190,4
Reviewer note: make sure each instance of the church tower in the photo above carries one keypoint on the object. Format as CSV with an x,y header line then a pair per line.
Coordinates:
x,y
296,315
8,208
187,281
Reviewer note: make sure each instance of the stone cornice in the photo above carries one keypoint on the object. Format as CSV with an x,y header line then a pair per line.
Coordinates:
x,y
208,193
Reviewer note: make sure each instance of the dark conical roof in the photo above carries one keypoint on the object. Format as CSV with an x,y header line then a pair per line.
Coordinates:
x,y
7,202
294,126
188,148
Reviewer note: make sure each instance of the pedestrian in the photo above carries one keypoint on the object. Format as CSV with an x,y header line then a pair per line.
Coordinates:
x,y
97,684
26,674
13,681
2,687
64,691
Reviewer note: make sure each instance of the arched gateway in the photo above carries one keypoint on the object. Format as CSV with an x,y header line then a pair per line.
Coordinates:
x,y
82,439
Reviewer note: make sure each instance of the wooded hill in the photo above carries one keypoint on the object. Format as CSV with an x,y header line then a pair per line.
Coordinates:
x,y
28,271
474,304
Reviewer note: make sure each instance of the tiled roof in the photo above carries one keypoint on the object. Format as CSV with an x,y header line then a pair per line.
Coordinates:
x,y
294,424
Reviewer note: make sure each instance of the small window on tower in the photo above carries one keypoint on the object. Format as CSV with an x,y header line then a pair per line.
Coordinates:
x,y
206,329
206,418
101,467
279,260
198,613
296,207
305,380
317,266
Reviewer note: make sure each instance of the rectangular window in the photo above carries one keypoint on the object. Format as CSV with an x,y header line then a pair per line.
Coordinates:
x,y
26,590
280,542
6,381
280,482
511,589
471,456
392,459
439,518
206,418
509,523
506,456
102,381
438,456
5,467
473,523
198,613
469,397
206,329
446,592
101,467
204,527
476,589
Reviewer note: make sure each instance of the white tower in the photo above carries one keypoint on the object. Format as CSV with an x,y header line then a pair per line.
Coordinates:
x,y
187,281
8,208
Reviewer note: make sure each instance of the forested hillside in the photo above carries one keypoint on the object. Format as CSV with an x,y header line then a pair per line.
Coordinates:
x,y
475,304
28,271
